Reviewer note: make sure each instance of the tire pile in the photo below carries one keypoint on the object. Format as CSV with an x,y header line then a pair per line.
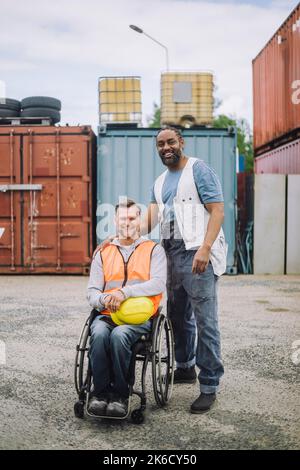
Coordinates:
x,y
9,107
33,106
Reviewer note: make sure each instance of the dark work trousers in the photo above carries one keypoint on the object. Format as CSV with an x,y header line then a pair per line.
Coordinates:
x,y
193,310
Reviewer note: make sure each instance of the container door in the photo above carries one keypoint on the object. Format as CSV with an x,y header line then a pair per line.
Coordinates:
x,y
11,202
57,219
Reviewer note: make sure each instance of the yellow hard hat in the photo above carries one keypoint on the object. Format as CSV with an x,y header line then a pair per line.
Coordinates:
x,y
134,311
115,319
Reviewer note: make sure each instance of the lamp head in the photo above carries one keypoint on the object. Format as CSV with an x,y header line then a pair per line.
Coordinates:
x,y
136,28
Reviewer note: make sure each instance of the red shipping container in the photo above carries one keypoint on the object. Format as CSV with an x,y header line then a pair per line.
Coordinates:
x,y
283,160
276,86
47,205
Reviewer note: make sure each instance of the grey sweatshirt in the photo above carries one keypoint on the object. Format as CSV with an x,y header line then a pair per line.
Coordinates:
x,y
155,285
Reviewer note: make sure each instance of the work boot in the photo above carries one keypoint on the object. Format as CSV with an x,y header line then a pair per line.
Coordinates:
x,y
203,403
185,376
97,405
117,407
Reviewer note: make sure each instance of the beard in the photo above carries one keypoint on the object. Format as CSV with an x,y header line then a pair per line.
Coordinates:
x,y
171,161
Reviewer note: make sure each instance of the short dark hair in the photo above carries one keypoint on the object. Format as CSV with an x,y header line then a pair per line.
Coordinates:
x,y
126,202
170,128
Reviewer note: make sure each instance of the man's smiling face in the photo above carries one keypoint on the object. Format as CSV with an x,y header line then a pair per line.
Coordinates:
x,y
169,147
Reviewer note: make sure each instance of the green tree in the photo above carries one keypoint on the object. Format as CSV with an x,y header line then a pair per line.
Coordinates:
x,y
244,136
216,101
154,120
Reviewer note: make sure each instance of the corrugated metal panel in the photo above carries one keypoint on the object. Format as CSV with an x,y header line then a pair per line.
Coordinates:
x,y
283,160
269,224
293,225
276,70
47,230
245,199
128,163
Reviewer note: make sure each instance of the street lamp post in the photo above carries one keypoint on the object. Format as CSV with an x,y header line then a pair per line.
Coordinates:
x,y
139,30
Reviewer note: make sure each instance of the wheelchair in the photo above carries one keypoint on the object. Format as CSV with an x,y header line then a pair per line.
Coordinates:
x,y
156,347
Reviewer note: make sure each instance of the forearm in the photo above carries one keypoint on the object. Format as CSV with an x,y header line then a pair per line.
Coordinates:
x,y
95,298
213,227
95,294
149,288
145,227
150,219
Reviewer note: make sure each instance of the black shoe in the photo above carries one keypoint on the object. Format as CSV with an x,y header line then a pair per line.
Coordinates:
x,y
97,405
117,407
203,403
185,376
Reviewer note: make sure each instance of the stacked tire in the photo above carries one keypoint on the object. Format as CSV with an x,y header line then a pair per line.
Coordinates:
x,y
9,108
41,107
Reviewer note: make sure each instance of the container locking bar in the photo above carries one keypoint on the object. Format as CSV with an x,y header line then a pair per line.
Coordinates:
x,y
20,187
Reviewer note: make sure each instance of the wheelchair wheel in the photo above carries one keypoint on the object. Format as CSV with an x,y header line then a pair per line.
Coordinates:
x,y
162,360
137,417
79,409
81,359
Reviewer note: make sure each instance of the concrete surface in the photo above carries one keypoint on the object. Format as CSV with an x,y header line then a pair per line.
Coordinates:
x,y
257,408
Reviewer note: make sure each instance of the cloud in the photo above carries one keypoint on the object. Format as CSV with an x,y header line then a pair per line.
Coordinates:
x,y
61,48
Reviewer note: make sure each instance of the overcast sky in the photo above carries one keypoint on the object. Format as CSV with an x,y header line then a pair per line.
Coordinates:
x,y
60,48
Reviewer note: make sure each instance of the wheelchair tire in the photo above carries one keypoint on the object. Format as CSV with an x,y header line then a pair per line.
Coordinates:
x,y
81,359
137,417
162,356
79,409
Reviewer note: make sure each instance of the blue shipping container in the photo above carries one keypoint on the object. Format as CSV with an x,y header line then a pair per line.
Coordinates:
x,y
128,163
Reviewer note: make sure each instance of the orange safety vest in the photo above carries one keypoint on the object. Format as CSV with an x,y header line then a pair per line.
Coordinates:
x,y
118,274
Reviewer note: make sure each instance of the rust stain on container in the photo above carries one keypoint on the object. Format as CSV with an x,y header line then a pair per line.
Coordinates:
x,y
52,229
276,85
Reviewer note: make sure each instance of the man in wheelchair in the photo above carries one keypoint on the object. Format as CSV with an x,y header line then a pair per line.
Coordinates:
x,y
129,267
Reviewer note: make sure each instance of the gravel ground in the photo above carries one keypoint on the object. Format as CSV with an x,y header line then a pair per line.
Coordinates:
x,y
257,408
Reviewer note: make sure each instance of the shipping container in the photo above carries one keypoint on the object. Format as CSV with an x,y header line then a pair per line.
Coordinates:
x,y
120,100
282,160
47,202
276,87
187,98
245,199
128,163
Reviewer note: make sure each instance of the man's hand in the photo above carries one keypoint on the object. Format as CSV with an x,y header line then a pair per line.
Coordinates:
x,y
201,259
106,301
113,301
104,244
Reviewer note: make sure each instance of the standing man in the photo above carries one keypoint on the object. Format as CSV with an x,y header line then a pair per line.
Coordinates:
x,y
187,199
